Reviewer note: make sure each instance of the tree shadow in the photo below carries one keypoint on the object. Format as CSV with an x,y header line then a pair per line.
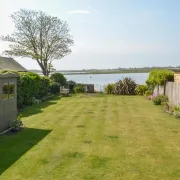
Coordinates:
x,y
15,145
38,108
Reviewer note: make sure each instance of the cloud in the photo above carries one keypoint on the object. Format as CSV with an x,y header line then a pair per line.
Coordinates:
x,y
80,11
93,9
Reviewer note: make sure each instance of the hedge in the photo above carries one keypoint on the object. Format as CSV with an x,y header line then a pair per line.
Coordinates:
x,y
31,85
159,77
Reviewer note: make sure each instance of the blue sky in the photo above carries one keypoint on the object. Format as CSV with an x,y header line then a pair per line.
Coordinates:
x,y
109,33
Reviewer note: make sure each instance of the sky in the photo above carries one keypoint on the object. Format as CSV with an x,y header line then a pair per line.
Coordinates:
x,y
108,33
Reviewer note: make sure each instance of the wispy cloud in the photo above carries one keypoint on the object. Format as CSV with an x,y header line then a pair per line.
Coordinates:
x,y
93,9
80,11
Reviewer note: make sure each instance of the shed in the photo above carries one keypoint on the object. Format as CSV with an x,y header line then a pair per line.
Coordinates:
x,y
11,64
8,100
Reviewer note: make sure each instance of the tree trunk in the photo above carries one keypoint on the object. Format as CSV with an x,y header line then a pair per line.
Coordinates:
x,y
45,72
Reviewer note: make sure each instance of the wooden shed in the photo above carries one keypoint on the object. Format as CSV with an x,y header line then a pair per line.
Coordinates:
x,y
8,100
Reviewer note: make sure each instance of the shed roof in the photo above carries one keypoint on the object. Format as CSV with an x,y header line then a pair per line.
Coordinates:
x,y
10,63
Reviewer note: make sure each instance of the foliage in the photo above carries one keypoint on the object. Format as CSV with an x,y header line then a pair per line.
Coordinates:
x,y
79,88
44,88
176,108
141,89
126,86
164,98
158,100
159,77
71,85
54,88
48,96
59,78
31,87
39,36
148,93
7,71
109,88
28,87
176,114
16,125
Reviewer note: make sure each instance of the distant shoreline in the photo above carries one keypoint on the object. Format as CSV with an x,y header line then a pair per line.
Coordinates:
x,y
86,73
108,71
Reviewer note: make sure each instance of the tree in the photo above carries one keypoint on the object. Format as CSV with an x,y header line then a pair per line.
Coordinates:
x,y
59,78
39,36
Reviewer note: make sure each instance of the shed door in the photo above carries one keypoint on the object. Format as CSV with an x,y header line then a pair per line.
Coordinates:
x,y
8,103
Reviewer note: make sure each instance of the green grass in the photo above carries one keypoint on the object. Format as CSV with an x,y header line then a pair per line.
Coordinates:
x,y
93,138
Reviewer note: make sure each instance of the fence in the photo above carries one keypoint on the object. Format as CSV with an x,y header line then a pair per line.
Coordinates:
x,y
171,89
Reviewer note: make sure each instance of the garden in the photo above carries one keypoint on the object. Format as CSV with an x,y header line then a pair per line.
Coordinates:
x,y
114,135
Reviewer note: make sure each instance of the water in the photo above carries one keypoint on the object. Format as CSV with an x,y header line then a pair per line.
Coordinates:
x,y
100,80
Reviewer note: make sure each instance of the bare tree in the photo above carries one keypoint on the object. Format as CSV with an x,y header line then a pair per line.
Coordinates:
x,y
39,36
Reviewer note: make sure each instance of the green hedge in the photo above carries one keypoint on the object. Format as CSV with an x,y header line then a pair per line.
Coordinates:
x,y
58,78
31,85
159,76
28,87
44,88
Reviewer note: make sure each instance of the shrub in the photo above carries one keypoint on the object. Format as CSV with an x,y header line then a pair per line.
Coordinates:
x,y
44,88
176,108
16,125
176,114
54,88
161,99
79,88
141,89
7,71
109,89
157,100
28,87
126,86
71,85
164,98
58,78
159,77
148,93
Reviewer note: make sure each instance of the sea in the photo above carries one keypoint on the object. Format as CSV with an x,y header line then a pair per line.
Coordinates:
x,y
100,80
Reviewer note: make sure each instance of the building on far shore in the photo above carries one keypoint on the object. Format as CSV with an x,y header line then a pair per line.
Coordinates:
x,y
11,64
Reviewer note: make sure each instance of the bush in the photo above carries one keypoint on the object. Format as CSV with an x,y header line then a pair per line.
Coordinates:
x,y
58,78
161,99
79,89
16,125
126,86
44,88
159,77
157,100
176,114
54,88
164,98
148,93
176,108
28,87
71,86
109,89
141,89
7,71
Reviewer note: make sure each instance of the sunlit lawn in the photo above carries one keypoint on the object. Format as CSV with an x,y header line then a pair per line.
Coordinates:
x,y
93,138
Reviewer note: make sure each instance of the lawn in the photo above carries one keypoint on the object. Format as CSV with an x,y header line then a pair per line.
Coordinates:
x,y
92,138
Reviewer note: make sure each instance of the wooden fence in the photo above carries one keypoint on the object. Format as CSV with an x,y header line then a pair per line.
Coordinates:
x,y
171,89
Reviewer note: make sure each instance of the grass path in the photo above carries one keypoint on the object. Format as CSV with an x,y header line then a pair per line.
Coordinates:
x,y
93,138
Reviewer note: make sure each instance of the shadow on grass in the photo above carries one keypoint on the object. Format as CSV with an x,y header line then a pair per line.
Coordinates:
x,y
13,146
38,108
